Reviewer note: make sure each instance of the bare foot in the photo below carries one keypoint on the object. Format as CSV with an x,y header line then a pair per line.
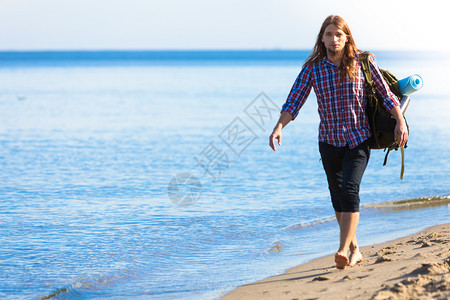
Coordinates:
x,y
355,257
341,260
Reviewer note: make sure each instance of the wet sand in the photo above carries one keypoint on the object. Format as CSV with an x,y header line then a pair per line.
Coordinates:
x,y
413,267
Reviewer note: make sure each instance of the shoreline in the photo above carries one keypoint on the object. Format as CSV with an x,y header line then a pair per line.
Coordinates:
x,y
414,266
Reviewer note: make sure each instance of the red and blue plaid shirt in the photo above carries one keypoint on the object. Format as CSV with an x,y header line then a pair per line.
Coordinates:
x,y
342,103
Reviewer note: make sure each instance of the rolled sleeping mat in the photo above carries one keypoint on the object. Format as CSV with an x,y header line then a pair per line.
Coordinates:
x,y
410,84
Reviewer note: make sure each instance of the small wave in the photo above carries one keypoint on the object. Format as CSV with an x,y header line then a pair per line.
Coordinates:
x,y
409,204
309,224
83,286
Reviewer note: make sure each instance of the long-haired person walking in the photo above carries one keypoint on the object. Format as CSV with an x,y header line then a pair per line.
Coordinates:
x,y
334,71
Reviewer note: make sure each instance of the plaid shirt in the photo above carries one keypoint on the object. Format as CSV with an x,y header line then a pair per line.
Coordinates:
x,y
343,120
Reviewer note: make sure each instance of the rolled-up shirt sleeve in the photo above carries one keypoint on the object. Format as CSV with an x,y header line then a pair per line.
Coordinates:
x,y
382,88
299,92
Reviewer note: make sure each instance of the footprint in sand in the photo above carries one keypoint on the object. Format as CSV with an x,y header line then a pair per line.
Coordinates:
x,y
382,258
433,288
435,235
430,239
322,278
384,252
427,244
421,255
348,277
433,268
444,254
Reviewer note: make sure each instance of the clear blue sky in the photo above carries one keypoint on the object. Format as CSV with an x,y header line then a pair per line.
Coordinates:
x,y
217,24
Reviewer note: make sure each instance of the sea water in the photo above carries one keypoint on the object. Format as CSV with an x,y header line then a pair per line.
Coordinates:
x,y
149,175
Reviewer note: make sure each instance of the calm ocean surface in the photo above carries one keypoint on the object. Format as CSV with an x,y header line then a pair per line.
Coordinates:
x,y
98,148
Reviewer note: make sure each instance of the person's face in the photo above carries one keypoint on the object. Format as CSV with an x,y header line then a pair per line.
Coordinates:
x,y
334,39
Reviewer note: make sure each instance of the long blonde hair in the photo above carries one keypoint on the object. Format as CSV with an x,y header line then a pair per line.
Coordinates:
x,y
319,51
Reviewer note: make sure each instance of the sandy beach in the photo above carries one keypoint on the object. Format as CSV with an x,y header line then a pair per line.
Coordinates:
x,y
413,267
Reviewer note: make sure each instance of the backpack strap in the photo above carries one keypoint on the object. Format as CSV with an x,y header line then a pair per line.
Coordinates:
x,y
365,66
402,170
385,157
402,151
364,59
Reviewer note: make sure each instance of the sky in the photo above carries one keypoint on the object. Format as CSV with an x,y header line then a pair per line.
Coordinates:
x,y
218,24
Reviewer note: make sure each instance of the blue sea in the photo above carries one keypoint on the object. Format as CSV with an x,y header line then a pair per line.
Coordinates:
x,y
148,174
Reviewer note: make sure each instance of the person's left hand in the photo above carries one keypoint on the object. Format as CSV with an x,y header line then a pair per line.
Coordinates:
x,y
401,132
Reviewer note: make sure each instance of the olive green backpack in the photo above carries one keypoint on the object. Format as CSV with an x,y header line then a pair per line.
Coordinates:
x,y
381,122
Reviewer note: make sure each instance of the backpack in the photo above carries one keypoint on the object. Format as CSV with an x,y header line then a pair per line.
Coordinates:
x,y
381,122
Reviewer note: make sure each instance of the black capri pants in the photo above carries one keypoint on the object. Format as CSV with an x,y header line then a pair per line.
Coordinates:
x,y
344,168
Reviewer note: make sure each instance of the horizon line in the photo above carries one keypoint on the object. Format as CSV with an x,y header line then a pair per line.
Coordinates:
x,y
206,50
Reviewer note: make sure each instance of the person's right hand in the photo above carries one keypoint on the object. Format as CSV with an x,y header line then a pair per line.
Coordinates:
x,y
276,135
